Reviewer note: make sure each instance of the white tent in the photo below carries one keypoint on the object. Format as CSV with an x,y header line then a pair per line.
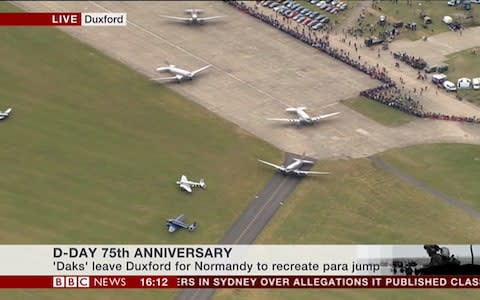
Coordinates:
x,y
447,19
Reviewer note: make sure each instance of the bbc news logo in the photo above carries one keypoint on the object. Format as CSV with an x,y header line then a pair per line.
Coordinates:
x,y
71,281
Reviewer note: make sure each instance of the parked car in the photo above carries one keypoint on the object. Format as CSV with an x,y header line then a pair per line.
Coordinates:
x,y
464,83
449,86
476,82
306,21
314,1
292,14
313,23
297,17
453,2
318,26
300,19
321,3
266,3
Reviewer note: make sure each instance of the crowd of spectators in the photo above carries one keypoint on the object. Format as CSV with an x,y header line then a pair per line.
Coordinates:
x,y
414,62
387,93
391,95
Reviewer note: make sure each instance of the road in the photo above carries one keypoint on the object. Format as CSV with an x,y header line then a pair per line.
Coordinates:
x,y
254,218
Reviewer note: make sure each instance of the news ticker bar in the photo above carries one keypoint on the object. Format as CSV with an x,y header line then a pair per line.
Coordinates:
x,y
62,19
208,282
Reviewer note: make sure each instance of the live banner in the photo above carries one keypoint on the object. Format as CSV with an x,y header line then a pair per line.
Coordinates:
x,y
62,19
238,266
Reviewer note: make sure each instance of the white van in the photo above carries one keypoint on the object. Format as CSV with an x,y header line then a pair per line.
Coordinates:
x,y
439,78
476,83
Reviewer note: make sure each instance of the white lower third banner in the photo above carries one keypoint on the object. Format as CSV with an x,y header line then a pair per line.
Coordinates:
x,y
237,260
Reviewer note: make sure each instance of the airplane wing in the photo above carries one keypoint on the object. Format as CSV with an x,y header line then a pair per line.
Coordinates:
x,y
5,113
272,165
164,78
296,121
180,218
162,69
177,18
299,172
210,18
200,70
186,187
321,117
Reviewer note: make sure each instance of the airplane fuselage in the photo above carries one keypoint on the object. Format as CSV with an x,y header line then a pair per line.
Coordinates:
x,y
192,183
293,166
181,72
304,117
176,223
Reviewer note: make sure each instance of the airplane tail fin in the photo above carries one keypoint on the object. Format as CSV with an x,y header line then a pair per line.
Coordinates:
x,y
202,183
295,109
192,226
8,111
304,155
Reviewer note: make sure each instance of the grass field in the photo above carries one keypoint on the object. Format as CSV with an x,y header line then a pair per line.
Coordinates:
x,y
465,64
361,204
378,112
402,12
449,168
92,151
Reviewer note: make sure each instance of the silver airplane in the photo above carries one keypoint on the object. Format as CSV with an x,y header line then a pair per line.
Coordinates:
x,y
178,223
180,74
294,167
194,17
187,185
303,117
5,114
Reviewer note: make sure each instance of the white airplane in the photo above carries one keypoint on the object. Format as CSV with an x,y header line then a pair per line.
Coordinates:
x,y
187,185
303,117
5,114
294,167
180,74
179,223
194,17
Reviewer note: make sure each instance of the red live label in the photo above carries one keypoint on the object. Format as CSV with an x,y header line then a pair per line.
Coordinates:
x,y
66,19
41,19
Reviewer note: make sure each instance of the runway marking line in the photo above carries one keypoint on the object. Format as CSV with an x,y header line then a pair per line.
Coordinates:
x,y
284,180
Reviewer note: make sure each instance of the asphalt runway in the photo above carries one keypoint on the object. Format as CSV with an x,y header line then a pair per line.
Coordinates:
x,y
255,217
